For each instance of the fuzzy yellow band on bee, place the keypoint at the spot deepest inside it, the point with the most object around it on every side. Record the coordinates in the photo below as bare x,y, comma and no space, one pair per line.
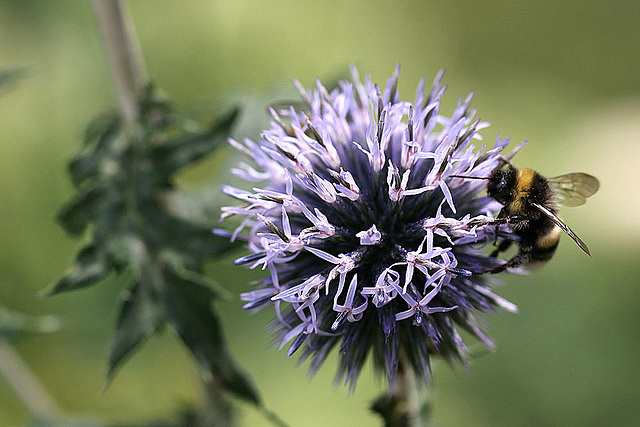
524,179
550,239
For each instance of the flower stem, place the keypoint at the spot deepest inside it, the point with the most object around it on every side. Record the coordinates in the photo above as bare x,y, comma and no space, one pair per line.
25,383
405,404
123,55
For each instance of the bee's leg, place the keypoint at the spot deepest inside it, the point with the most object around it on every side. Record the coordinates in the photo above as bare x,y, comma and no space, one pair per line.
504,245
501,218
514,221
521,258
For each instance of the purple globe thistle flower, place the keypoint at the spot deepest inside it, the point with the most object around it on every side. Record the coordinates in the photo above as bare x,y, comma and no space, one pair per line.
372,244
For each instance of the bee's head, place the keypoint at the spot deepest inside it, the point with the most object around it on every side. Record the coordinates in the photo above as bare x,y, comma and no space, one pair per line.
502,182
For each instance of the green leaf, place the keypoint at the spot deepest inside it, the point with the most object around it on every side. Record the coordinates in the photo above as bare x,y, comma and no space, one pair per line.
102,128
139,318
91,266
125,249
103,146
190,238
199,280
76,214
121,176
176,153
188,309
110,221
83,166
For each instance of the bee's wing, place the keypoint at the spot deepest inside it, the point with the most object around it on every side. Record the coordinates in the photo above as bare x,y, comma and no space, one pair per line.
573,189
564,227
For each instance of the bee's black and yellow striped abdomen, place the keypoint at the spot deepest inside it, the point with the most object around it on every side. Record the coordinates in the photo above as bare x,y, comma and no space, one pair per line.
546,245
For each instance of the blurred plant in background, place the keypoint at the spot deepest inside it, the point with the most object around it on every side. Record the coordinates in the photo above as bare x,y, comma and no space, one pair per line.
123,176
15,326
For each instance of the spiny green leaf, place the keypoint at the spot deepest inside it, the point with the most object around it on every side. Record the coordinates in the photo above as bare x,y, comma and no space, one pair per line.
83,166
111,221
199,280
126,249
188,309
102,128
100,158
91,266
156,111
139,318
121,175
176,153
76,214
190,238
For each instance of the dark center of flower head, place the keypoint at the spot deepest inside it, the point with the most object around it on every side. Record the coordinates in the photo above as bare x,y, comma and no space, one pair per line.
370,237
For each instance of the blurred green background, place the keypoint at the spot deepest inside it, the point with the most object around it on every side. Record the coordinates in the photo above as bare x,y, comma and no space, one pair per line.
564,75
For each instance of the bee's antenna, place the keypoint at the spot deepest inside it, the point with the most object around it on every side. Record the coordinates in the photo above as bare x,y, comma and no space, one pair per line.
468,177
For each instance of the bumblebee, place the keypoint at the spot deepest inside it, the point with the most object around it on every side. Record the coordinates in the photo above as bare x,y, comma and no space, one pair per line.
530,206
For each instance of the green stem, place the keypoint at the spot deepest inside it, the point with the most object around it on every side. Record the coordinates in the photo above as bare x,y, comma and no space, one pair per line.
26,385
123,55
405,404
407,391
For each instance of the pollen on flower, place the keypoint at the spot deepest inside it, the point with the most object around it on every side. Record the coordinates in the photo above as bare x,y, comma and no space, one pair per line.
358,212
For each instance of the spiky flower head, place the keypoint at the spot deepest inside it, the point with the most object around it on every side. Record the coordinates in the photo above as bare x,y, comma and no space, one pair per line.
371,244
